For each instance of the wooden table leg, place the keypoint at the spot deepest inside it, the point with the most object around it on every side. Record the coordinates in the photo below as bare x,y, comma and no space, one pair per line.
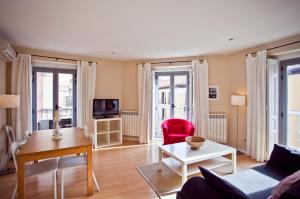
21,183
89,171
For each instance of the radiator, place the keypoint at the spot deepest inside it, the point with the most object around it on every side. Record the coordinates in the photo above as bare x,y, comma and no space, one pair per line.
217,127
130,123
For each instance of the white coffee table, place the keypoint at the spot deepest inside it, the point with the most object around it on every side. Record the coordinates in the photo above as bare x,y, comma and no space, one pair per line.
185,161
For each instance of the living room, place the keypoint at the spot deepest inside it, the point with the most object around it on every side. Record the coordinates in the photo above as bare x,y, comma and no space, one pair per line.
107,80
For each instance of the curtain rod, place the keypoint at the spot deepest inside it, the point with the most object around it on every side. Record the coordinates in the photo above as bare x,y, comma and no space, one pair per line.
295,42
57,58
170,62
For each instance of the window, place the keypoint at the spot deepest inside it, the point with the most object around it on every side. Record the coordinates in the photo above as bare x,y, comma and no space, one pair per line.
53,88
290,103
172,95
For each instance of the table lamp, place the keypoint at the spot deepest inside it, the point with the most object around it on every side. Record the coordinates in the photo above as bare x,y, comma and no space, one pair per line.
237,100
9,102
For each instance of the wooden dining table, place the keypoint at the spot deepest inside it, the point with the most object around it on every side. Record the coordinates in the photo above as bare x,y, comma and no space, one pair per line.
41,146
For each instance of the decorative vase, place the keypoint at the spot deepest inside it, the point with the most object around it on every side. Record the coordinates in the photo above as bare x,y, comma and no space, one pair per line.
57,135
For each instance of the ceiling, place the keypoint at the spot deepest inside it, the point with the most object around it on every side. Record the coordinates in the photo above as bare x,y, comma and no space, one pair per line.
146,29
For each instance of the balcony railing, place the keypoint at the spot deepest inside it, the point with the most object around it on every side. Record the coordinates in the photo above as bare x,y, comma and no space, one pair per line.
294,128
45,118
47,114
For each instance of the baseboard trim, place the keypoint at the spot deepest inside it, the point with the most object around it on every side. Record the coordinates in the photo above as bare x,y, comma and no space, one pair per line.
130,138
243,151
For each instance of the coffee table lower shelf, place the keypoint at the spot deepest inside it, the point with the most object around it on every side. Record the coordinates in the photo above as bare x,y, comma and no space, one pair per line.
193,168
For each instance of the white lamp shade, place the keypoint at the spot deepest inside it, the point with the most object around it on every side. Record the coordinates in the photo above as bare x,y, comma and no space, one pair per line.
9,101
238,100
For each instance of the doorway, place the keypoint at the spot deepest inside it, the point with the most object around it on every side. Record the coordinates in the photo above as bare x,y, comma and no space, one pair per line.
290,103
171,98
53,88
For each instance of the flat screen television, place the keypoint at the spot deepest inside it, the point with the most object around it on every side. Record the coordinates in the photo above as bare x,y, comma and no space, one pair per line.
105,107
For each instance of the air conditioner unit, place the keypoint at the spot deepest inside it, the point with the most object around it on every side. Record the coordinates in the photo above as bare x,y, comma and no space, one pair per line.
7,53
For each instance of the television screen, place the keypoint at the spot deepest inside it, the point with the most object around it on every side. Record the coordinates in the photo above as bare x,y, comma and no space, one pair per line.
105,107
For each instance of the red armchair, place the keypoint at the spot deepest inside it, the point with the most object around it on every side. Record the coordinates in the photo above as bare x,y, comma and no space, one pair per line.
175,130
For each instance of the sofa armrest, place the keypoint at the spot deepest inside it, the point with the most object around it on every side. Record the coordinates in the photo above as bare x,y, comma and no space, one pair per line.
197,188
292,193
179,195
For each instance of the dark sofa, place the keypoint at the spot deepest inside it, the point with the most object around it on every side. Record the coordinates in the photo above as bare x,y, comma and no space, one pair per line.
255,183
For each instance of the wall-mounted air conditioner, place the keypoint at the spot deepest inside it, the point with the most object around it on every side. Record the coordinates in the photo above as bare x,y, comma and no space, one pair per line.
7,53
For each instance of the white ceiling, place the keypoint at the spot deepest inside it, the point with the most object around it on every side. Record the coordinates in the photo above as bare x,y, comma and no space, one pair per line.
146,29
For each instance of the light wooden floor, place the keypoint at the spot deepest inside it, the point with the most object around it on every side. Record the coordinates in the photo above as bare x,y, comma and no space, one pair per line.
115,172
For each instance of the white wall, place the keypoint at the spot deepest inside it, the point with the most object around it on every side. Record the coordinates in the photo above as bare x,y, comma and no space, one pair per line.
2,112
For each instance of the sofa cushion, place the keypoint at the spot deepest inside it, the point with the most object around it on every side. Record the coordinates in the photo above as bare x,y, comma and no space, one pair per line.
285,158
196,187
271,171
258,182
222,186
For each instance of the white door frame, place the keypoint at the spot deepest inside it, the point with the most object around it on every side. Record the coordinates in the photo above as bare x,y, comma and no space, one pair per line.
171,73
272,103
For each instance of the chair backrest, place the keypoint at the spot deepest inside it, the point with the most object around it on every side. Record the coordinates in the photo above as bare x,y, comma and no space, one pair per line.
175,121
10,134
86,133
14,146
176,126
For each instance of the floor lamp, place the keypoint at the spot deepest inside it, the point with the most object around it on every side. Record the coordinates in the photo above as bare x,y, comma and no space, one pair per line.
9,102
237,100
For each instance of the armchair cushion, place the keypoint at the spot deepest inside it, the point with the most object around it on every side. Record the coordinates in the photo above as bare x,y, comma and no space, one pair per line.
176,129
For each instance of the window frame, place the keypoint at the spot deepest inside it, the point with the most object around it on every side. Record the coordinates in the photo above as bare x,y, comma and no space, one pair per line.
171,74
283,99
55,72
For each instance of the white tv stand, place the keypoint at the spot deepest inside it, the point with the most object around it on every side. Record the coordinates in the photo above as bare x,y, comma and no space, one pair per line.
107,132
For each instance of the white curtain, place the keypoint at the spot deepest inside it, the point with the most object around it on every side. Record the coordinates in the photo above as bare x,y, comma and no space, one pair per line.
145,102
200,97
256,110
21,84
86,85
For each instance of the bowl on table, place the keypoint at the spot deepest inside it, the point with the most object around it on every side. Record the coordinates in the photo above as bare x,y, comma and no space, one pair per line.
195,141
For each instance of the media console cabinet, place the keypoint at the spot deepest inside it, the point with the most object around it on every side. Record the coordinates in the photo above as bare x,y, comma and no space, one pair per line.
107,132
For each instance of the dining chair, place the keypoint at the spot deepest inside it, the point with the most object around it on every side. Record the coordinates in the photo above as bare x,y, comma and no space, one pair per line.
41,167
12,138
71,162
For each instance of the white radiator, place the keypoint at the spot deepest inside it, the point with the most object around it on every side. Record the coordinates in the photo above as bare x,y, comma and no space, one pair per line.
217,127
130,123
